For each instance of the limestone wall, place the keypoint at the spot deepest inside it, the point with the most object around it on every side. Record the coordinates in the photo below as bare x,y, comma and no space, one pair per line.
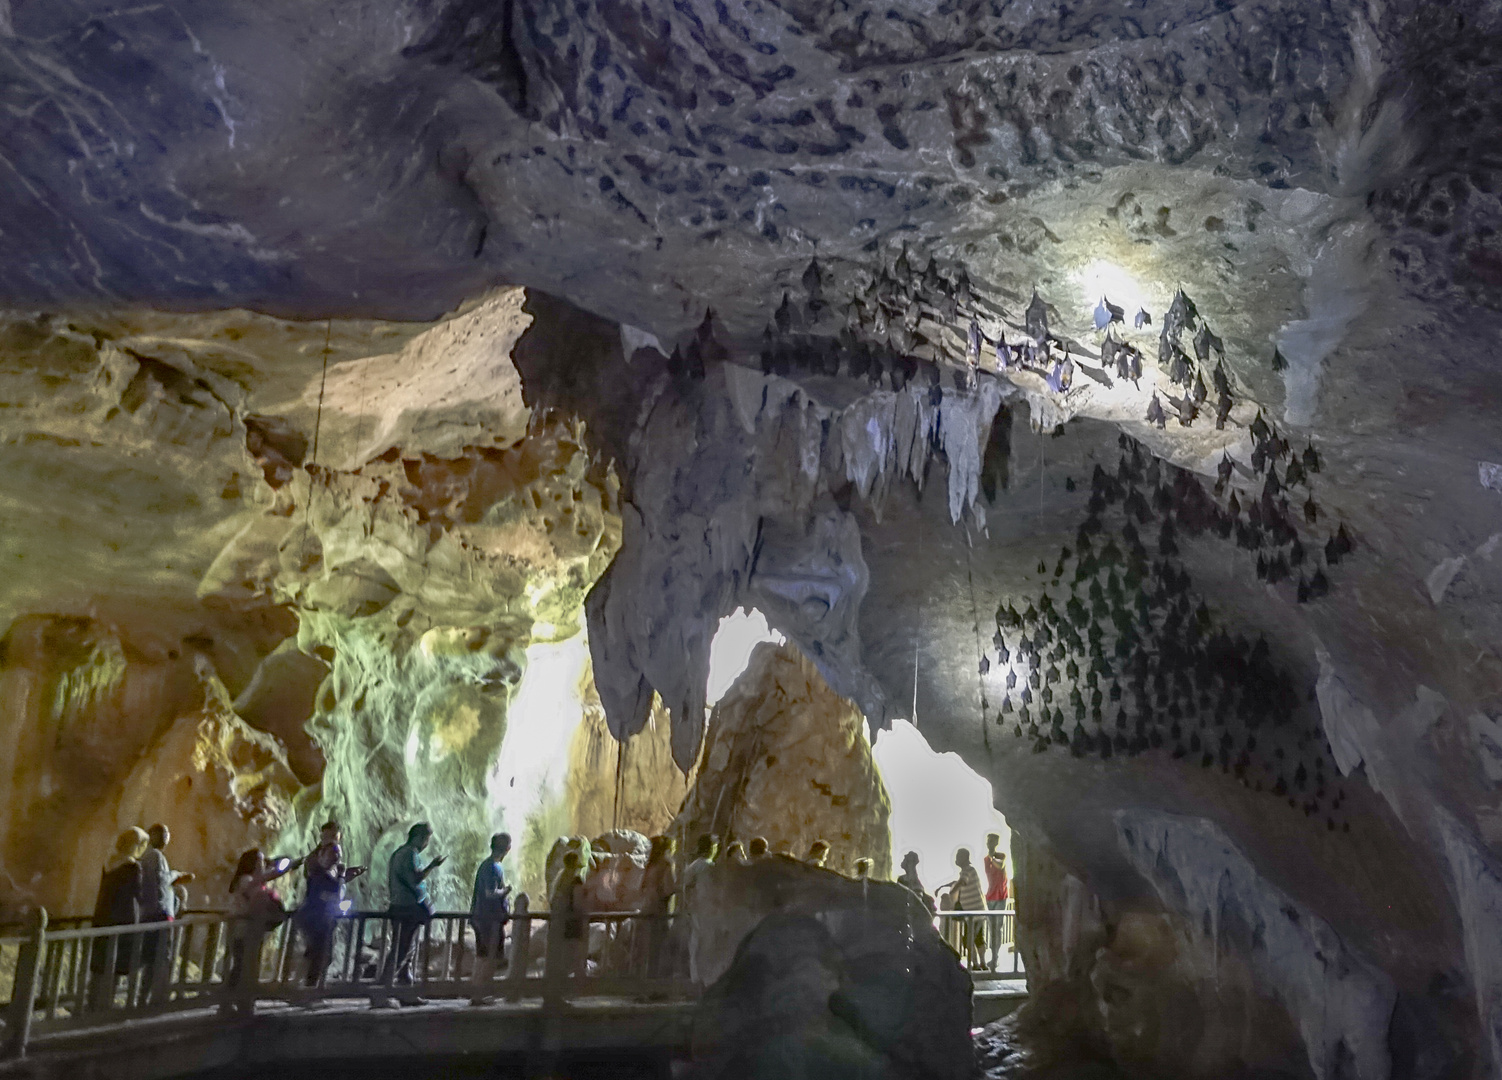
104,732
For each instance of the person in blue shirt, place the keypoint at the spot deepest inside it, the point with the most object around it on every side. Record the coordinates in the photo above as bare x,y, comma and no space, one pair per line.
323,902
489,912
410,906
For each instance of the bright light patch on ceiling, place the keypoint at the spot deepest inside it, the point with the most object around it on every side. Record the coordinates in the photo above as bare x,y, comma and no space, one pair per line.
1101,277
939,804
730,651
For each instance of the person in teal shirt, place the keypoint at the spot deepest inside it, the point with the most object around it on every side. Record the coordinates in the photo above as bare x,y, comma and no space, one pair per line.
411,909
489,911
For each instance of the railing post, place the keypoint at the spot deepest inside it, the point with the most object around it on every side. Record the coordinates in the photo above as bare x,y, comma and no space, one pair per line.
250,969
557,965
163,955
521,948
24,989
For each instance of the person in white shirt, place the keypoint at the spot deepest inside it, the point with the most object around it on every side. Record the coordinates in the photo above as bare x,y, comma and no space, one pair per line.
159,897
704,861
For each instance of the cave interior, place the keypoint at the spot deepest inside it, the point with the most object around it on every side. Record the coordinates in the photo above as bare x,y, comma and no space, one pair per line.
885,425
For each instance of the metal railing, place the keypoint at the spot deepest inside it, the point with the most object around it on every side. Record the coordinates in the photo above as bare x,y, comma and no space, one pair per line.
74,979
975,935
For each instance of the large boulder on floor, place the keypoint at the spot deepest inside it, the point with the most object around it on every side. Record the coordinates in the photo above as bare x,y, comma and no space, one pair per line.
825,978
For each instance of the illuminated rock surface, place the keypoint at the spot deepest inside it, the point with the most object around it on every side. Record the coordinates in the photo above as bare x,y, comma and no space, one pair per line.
787,760
105,732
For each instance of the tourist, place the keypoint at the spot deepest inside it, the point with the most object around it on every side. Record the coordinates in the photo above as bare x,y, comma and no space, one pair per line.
121,888
735,854
704,857
323,900
909,879
863,869
965,895
659,884
159,898
489,911
410,909
586,859
995,864
158,895
757,849
693,878
818,854
122,884
253,910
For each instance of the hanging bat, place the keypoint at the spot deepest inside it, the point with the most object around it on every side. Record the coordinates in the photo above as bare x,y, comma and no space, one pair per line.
1155,413
1107,313
1036,319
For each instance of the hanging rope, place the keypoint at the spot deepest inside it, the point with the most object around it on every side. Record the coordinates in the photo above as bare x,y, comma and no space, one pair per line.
323,381
620,754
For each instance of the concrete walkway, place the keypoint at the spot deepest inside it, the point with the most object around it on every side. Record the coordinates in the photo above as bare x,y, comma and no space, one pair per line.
188,1042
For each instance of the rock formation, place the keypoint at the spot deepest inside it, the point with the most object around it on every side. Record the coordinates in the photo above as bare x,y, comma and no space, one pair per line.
632,784
787,759
107,731
816,975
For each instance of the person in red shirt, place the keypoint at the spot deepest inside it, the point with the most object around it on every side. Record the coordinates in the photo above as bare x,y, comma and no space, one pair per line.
996,891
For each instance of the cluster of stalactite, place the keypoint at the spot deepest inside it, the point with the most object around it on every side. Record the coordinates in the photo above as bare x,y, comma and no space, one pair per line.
1118,655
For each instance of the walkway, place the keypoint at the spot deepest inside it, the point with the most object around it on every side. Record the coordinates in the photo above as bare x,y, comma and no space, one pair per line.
174,1003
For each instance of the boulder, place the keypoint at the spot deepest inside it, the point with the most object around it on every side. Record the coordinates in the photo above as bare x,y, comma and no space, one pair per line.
788,759
819,976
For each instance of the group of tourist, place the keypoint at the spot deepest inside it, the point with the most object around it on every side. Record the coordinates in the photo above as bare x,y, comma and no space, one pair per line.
136,886
965,897
139,886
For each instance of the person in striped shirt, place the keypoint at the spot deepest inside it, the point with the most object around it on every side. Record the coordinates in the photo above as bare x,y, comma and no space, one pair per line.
967,896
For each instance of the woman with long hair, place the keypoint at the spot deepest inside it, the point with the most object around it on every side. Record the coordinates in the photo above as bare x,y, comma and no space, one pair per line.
122,887
253,909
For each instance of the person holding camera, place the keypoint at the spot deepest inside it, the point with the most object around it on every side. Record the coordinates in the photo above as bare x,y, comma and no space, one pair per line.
411,908
489,911
323,900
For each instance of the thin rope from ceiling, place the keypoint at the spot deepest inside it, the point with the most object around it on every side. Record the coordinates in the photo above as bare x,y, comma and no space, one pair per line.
323,381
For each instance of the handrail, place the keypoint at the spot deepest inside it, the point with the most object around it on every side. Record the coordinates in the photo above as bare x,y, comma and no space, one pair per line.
970,931
220,964
91,932
223,965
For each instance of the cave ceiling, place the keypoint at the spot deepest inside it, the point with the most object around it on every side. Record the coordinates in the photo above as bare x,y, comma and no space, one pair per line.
217,215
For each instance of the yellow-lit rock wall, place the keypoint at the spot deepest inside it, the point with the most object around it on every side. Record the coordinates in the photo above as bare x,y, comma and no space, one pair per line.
102,734
627,785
